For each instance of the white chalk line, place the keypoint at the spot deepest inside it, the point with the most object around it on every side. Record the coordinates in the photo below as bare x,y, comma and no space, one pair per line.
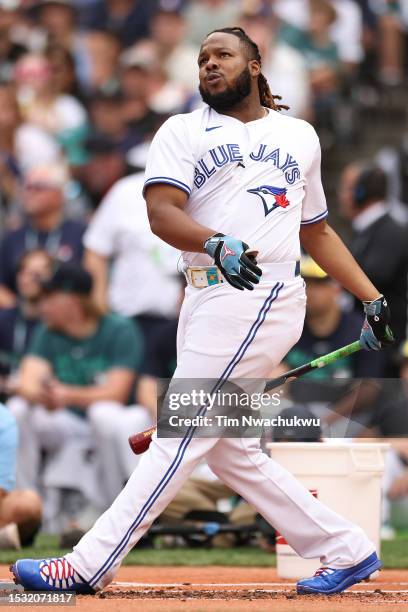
144,587
201,584
374,584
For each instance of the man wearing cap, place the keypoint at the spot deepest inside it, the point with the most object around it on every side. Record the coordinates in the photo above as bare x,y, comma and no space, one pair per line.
74,383
43,200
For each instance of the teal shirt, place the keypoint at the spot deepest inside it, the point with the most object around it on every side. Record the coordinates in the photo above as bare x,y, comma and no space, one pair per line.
116,343
314,55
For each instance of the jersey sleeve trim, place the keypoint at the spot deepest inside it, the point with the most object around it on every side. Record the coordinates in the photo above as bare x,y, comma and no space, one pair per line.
169,181
315,219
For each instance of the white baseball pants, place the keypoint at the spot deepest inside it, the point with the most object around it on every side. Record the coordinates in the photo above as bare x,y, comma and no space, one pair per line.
225,333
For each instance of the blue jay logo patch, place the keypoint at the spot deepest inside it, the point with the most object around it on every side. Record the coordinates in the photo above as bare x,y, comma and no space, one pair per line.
272,197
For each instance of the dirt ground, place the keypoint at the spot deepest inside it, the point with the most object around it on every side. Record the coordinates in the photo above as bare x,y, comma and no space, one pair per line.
232,589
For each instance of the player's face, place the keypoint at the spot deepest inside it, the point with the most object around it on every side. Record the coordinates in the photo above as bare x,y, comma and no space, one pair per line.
225,72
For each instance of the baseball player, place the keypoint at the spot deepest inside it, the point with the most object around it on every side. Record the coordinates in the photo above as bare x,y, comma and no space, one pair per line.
230,179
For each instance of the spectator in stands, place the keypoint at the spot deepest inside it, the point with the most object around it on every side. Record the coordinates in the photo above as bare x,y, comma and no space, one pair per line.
63,71
322,59
18,323
347,34
346,30
106,165
315,41
204,16
102,50
21,146
106,116
377,238
167,30
283,66
10,51
143,265
106,112
57,18
77,378
147,90
43,200
61,115
392,21
9,166
94,53
127,19
20,510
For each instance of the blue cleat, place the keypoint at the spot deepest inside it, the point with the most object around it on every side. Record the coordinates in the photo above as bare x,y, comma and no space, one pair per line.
328,580
55,575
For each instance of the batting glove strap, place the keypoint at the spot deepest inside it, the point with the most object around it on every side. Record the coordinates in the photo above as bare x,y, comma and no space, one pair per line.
376,333
238,269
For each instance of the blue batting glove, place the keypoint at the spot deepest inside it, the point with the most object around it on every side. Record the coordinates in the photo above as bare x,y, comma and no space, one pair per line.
229,254
376,334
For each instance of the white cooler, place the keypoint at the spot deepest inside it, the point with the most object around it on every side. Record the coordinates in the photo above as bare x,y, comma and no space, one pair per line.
346,476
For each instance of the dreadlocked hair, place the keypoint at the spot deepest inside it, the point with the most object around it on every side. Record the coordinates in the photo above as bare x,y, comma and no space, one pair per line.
267,98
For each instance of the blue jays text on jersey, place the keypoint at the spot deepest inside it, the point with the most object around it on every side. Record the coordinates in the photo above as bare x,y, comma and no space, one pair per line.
221,155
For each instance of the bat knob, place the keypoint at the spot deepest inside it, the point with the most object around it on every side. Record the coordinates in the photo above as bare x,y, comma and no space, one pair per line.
139,443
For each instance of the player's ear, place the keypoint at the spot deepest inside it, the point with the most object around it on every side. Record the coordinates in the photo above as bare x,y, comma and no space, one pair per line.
254,68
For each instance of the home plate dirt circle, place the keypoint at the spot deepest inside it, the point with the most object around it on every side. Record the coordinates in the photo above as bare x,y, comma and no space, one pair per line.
235,589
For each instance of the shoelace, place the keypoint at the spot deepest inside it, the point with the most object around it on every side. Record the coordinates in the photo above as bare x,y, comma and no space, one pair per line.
324,571
58,572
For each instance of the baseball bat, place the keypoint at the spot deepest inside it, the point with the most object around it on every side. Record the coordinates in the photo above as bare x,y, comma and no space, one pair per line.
319,362
140,442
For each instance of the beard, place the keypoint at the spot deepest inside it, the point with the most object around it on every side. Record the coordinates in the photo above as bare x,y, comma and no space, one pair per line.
231,96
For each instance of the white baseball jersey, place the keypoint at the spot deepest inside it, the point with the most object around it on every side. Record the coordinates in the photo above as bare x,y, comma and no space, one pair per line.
256,181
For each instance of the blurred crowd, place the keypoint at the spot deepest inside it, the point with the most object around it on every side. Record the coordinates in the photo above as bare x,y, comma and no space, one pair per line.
89,297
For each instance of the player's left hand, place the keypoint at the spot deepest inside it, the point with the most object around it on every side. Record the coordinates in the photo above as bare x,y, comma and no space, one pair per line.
376,333
229,254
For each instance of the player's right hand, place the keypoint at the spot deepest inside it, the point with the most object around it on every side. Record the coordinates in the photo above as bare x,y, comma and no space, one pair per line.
376,333
229,254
